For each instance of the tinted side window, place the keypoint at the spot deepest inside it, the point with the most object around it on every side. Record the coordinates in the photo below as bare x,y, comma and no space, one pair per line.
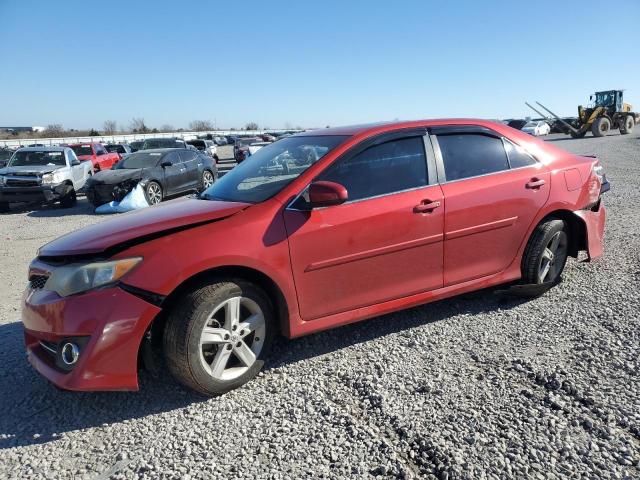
518,157
469,155
187,155
172,157
386,168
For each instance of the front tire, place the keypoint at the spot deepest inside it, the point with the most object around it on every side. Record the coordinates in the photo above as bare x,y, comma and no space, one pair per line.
207,179
153,192
546,253
217,336
69,200
601,127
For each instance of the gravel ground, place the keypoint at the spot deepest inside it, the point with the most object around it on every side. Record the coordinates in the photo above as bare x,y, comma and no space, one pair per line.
472,387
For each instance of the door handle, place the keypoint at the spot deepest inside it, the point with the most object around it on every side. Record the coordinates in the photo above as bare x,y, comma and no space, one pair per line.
535,183
426,206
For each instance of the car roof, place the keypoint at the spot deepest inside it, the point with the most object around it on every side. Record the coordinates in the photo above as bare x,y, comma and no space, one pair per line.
43,149
162,150
381,127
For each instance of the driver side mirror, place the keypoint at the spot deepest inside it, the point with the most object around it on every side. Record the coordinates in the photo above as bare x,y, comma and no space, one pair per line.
166,164
75,162
326,194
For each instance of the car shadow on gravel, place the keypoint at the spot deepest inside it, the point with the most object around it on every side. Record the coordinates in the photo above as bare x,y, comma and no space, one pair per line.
83,207
35,412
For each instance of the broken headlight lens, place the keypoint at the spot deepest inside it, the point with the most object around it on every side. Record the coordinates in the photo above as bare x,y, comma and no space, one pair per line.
53,178
78,278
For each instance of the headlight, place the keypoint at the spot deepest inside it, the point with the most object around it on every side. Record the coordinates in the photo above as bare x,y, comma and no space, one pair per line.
79,278
53,178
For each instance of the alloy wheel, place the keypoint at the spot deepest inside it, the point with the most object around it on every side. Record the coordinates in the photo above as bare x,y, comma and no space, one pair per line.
154,193
232,338
207,179
553,258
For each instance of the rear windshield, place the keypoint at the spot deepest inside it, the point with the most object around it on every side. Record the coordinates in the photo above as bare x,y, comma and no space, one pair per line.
140,160
199,144
162,143
26,159
82,149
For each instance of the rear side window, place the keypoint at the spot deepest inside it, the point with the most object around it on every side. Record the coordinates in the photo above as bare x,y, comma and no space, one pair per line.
390,167
518,157
187,155
469,155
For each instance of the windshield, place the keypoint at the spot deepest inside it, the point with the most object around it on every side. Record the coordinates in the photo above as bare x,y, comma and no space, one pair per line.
605,99
140,160
82,149
531,124
115,148
271,168
199,144
27,159
162,143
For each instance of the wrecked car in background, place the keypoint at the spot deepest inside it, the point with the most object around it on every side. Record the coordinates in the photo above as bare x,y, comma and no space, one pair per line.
97,153
205,146
161,172
43,175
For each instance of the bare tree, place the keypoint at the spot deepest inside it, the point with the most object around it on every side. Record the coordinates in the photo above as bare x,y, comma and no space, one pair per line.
251,126
138,125
110,127
200,125
167,128
53,130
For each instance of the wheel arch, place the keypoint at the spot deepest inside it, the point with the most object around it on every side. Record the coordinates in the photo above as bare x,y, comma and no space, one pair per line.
262,280
577,230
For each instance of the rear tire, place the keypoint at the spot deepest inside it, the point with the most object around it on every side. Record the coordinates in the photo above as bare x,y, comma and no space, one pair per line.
578,134
601,127
546,253
626,126
217,336
69,200
207,180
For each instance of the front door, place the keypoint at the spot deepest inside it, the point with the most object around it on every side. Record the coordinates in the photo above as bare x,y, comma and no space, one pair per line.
384,243
494,190
174,174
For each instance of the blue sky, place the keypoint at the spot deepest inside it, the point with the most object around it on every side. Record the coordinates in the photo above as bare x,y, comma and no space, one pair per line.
308,63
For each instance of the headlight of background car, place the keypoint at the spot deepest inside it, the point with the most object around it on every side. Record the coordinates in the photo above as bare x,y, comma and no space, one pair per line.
79,278
53,178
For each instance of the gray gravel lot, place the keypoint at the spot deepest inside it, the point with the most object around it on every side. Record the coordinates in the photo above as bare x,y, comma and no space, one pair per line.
472,387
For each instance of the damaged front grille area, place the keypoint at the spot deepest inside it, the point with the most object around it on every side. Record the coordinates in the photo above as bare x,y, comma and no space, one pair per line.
37,281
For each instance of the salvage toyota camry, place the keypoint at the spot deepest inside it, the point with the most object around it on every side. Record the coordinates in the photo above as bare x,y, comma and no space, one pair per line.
316,230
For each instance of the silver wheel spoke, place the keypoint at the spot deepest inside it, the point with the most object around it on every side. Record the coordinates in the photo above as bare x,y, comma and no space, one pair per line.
544,269
213,335
220,362
232,313
251,324
244,354
554,242
547,254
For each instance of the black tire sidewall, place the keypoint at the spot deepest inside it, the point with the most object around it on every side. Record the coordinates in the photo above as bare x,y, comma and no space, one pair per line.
204,302
537,243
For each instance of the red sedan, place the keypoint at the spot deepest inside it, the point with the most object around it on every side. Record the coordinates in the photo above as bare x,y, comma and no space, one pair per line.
317,230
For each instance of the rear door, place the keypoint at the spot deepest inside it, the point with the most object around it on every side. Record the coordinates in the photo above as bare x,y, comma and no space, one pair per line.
191,173
493,191
383,243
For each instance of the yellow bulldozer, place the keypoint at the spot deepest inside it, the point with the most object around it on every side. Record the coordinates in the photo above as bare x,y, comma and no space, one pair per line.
606,112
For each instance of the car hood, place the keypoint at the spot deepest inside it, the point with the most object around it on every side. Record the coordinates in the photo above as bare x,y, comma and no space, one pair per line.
29,170
139,226
113,177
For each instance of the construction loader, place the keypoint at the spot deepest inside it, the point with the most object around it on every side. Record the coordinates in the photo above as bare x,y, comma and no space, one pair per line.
607,111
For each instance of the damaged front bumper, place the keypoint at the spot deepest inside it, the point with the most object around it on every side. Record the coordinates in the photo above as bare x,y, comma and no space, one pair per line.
41,193
99,194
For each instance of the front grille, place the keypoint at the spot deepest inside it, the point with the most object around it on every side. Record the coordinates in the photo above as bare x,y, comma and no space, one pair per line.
38,281
22,183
